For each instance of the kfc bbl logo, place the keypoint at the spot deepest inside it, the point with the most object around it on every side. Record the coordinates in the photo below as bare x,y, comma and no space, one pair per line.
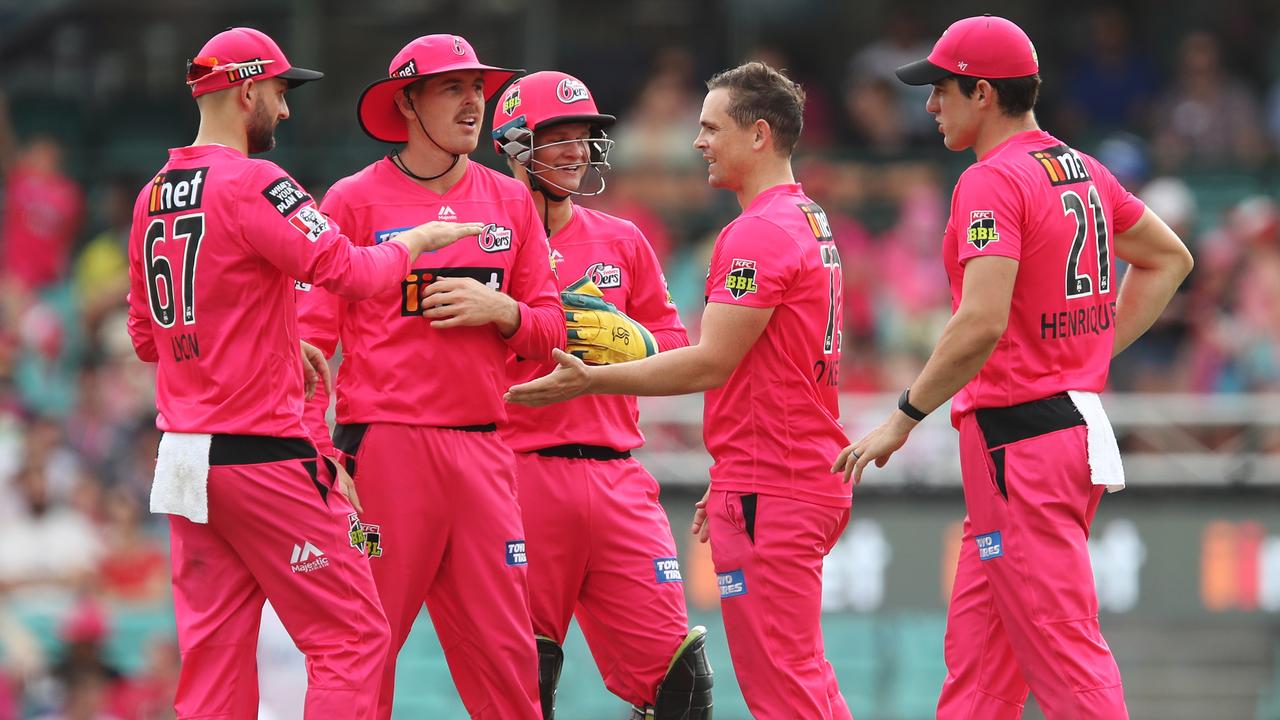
982,228
742,278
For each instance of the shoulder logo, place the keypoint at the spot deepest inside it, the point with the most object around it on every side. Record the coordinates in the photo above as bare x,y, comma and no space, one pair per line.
742,278
1062,165
571,91
285,195
605,275
310,222
176,190
982,228
818,222
495,238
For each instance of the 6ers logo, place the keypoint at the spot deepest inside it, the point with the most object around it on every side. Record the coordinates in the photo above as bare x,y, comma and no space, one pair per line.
458,48
742,278
571,91
605,275
495,238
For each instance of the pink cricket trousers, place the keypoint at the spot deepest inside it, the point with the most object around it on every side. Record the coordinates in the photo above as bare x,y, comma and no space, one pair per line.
600,547
276,531
1024,612
444,529
768,551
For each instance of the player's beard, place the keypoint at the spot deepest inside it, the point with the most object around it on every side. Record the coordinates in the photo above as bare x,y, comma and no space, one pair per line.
262,130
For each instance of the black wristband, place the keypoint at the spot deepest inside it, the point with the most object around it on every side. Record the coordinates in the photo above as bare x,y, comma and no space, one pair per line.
908,409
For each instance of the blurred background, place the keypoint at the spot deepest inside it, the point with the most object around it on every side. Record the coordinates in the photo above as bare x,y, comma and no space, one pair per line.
1180,100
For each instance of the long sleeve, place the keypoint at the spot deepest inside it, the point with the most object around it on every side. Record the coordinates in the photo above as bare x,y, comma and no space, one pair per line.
144,343
533,287
295,236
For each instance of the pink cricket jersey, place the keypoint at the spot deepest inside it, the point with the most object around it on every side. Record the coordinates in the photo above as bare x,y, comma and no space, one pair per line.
618,258
1056,211
217,244
774,427
396,368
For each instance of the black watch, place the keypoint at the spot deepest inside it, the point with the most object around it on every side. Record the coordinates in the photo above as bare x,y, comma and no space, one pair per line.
908,409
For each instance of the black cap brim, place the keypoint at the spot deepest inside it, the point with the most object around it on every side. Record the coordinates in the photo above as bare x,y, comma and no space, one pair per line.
295,76
922,72
602,121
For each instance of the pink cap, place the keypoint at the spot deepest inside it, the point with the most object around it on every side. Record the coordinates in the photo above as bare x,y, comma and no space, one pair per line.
542,99
981,47
238,54
427,55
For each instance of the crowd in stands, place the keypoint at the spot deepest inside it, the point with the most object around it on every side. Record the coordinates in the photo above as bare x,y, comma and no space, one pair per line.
81,557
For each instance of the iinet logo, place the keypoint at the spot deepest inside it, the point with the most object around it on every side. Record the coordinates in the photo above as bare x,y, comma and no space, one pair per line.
307,558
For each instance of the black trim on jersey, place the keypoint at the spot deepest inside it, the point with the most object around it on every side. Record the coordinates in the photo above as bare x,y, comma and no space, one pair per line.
583,452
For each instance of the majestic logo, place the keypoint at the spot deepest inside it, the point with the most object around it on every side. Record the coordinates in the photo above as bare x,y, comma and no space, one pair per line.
447,213
310,222
556,259
512,100
605,275
418,278
285,195
495,238
516,553
458,47
408,69
742,278
249,68
1062,165
365,537
732,584
982,228
667,570
176,190
307,558
989,546
571,91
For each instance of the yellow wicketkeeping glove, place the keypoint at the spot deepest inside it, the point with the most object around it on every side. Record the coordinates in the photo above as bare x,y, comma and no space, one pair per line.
600,333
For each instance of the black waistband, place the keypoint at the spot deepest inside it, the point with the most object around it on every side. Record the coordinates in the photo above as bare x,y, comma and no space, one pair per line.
583,452
257,449
487,427
1001,426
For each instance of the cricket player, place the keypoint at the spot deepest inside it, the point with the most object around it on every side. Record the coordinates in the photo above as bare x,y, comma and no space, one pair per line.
217,243
768,360
1030,250
419,391
600,546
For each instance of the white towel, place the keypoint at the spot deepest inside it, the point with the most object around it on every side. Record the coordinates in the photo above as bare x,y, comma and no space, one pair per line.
181,485
1104,453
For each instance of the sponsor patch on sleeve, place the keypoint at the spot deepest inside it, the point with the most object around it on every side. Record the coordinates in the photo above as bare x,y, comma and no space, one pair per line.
989,546
516,554
732,584
742,277
667,570
982,228
301,286
310,222
285,195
